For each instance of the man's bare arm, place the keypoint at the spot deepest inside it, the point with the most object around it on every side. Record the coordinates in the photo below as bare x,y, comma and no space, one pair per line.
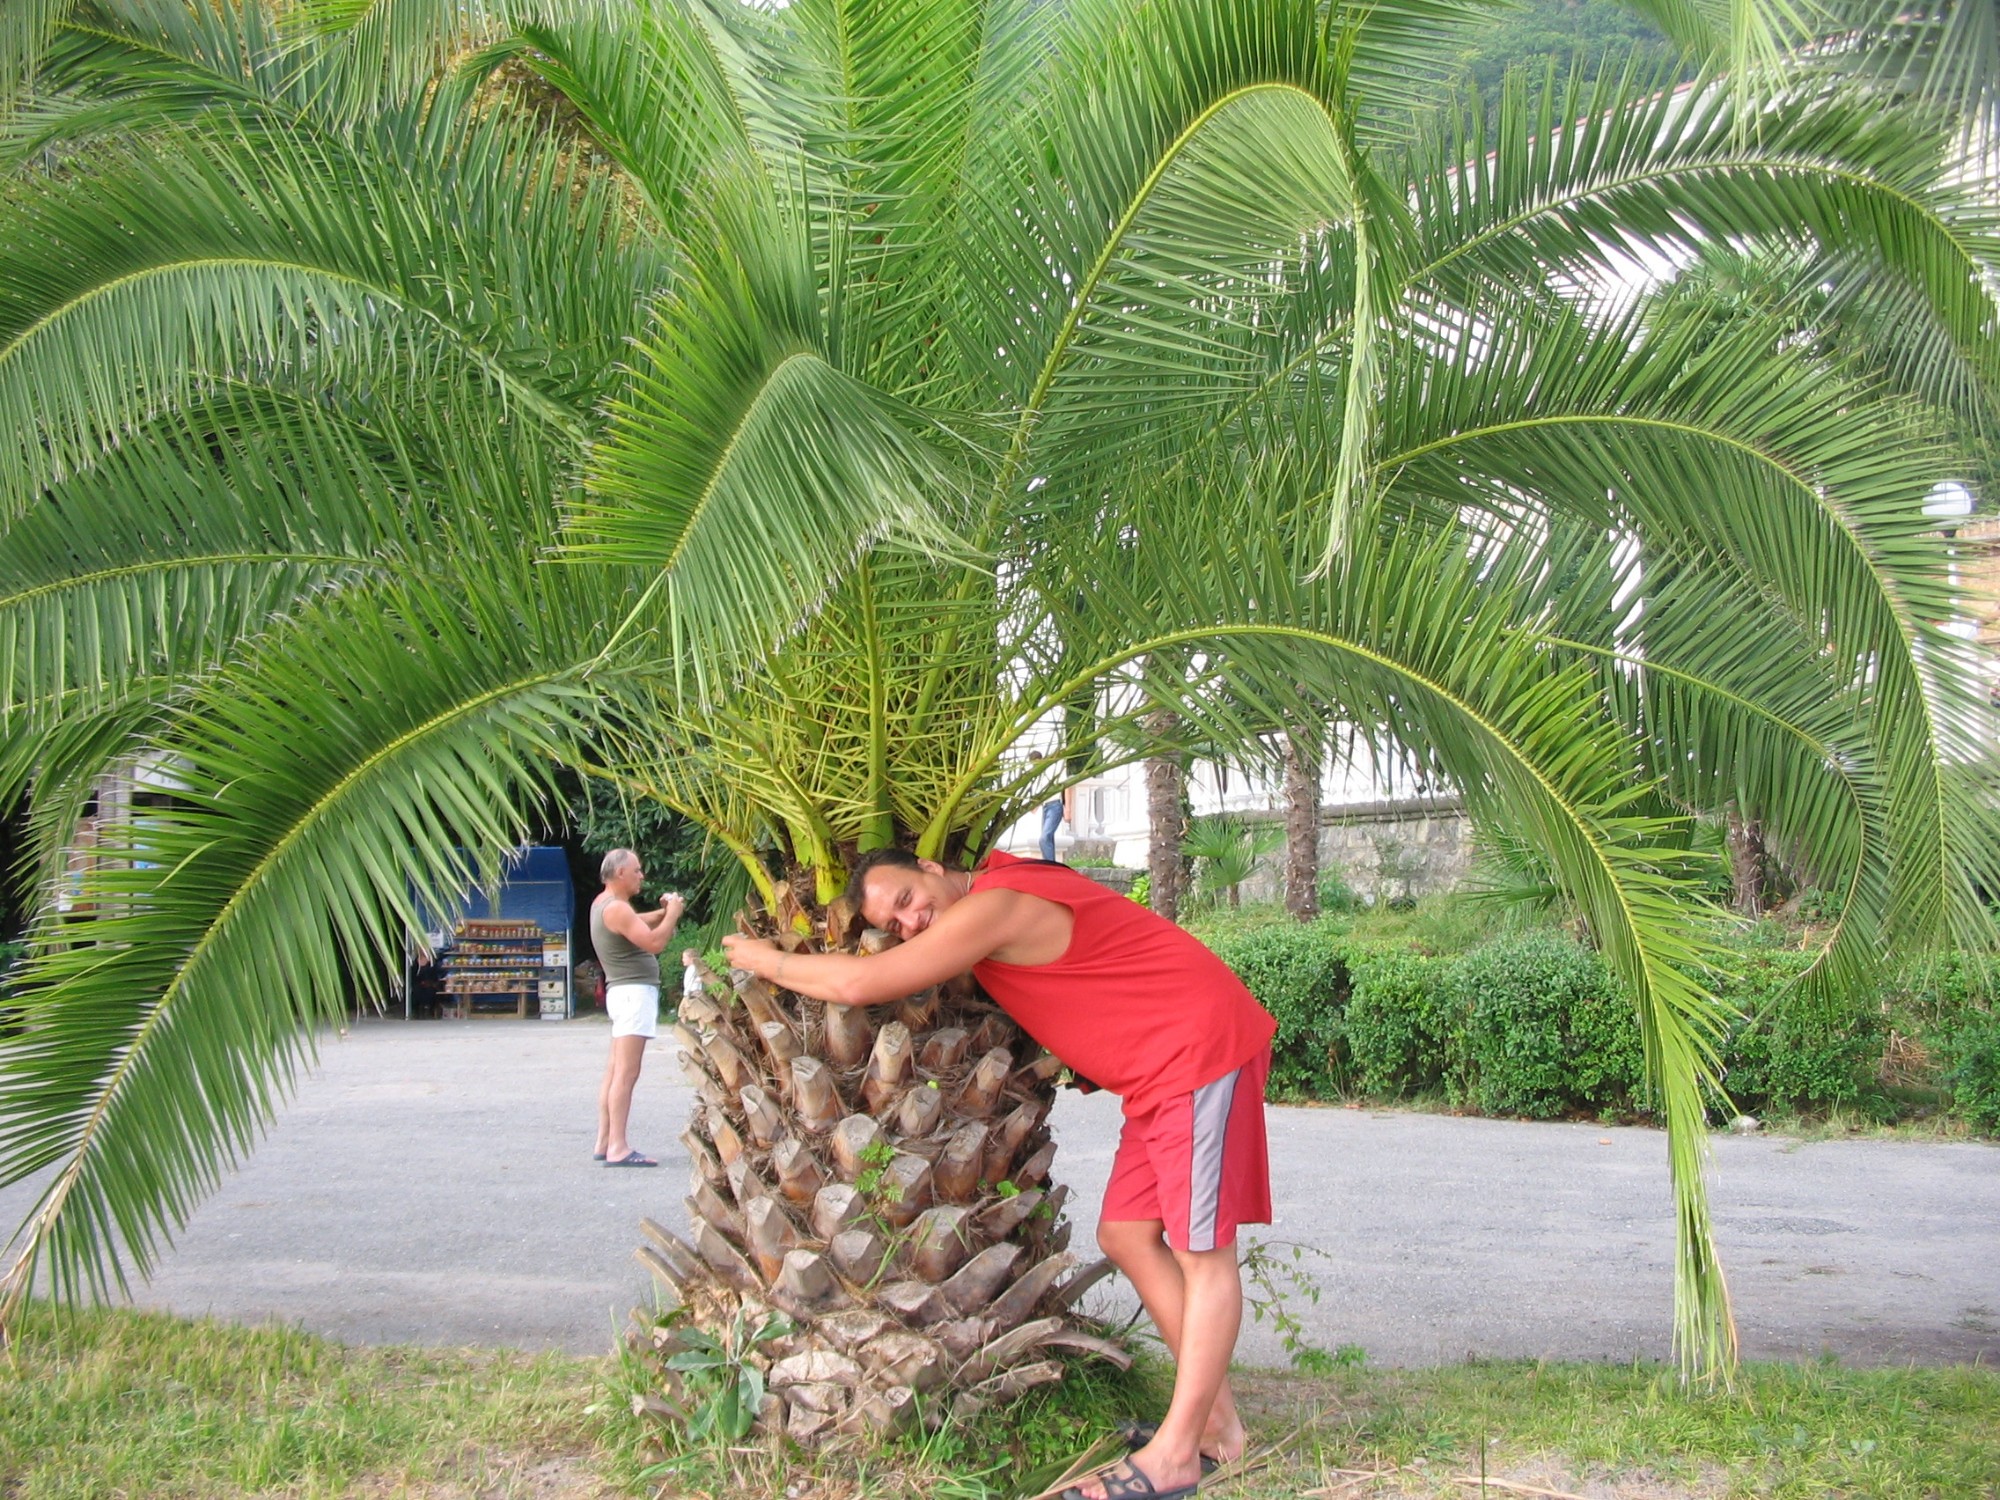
974,928
649,932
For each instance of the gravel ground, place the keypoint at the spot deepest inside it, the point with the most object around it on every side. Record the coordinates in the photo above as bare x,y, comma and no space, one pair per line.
432,1183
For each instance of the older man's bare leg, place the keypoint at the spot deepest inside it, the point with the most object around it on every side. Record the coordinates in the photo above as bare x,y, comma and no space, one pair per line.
614,1095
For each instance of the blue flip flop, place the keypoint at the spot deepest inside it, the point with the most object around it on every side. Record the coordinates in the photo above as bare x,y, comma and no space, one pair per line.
632,1159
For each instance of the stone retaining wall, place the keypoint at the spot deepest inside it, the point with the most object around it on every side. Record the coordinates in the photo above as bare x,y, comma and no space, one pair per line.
1383,850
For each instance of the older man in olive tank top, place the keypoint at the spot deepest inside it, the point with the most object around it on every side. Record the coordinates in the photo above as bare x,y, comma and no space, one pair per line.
628,945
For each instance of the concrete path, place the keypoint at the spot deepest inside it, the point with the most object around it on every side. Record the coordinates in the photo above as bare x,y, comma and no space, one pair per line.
432,1183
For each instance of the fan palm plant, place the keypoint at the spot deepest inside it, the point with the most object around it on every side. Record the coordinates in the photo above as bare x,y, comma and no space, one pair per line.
782,414
1227,851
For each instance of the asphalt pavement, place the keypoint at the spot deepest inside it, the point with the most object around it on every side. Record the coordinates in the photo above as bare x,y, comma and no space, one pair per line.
431,1183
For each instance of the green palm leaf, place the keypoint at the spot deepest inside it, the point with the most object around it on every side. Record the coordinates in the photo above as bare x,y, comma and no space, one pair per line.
740,426
350,770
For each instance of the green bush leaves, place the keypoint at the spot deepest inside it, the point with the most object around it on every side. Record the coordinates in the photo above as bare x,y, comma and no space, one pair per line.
1534,1024
1299,974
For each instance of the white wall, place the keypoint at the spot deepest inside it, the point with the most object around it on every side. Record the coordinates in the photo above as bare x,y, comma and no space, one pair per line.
1113,806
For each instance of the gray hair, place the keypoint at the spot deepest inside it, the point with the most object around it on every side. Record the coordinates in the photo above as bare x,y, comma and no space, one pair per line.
614,862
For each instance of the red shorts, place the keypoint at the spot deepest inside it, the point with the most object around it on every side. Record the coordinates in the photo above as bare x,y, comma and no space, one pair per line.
1197,1162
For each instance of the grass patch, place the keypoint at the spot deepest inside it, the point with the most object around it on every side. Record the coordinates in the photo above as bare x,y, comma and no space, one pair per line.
121,1403
1451,922
1840,1124
1787,1432
1012,1451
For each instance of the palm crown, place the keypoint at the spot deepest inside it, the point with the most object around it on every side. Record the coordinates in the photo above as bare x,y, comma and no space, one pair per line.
783,412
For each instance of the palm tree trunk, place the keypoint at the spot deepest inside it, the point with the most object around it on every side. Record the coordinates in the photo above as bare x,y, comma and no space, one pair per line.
880,1176
1166,821
1749,865
1301,831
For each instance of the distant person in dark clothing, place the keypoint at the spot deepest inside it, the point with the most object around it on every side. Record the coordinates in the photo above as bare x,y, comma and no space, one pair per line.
628,945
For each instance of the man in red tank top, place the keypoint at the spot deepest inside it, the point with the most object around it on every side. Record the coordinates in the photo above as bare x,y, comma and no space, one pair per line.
1130,1003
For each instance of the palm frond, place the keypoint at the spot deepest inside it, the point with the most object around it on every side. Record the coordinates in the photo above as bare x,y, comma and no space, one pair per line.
1772,468
1635,168
673,93
1124,235
182,540
1745,38
111,69
234,261
376,50
1413,635
745,465
25,29
384,752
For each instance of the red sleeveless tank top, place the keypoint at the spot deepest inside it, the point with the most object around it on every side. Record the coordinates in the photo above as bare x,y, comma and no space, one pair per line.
1136,1004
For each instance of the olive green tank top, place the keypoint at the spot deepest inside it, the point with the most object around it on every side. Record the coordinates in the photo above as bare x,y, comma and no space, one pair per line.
625,962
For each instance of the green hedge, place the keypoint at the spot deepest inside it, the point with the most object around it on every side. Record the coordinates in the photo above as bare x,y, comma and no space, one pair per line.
1935,991
1952,1001
1972,1050
1398,1022
1547,1031
1529,1024
1793,1047
1533,1023
1298,972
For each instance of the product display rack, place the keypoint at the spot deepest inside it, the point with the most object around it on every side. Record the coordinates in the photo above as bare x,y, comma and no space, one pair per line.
496,967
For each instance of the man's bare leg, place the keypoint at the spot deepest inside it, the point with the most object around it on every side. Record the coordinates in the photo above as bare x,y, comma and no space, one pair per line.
1195,1299
621,1075
604,1104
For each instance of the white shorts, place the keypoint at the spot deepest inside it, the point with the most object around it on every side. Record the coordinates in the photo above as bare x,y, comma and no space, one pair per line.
634,1009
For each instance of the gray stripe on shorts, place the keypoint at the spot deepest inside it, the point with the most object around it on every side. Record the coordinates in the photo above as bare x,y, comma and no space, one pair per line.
1211,1129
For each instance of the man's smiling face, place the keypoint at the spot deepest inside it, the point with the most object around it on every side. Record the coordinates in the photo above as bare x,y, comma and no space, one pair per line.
905,901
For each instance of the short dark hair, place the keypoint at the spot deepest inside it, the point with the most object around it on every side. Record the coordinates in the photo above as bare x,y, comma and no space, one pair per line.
890,858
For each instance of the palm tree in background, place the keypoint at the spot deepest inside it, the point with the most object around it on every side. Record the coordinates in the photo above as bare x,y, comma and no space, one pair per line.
782,414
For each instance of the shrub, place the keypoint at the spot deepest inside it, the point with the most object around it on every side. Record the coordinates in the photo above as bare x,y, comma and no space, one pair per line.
1226,850
1533,1023
1936,990
1397,1024
1335,894
1816,905
1546,1030
1974,1052
1796,1047
1298,972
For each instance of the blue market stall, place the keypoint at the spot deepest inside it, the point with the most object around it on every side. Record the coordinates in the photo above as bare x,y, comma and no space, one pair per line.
507,952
